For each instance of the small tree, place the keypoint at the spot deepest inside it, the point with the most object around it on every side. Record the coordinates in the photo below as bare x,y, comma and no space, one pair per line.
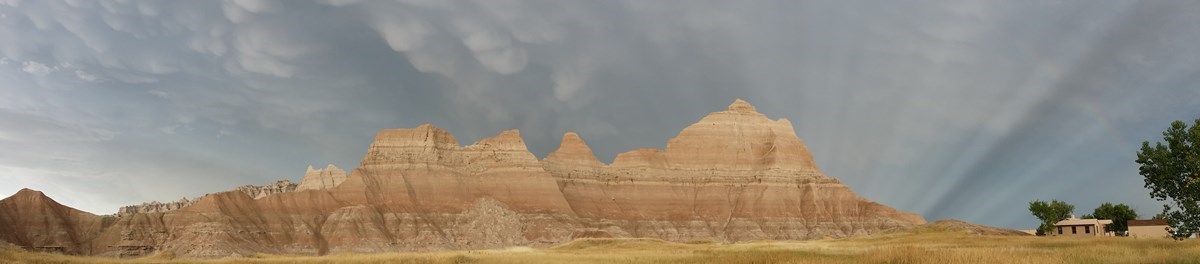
1120,214
1172,173
1050,213
1159,216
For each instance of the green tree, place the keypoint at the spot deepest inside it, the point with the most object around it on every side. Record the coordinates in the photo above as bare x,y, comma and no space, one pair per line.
1159,216
1120,214
1172,173
1050,213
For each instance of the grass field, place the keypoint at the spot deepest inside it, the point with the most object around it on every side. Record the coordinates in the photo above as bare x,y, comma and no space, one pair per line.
907,247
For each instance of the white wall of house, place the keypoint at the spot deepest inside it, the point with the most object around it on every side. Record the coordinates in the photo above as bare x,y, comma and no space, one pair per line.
1078,230
1148,231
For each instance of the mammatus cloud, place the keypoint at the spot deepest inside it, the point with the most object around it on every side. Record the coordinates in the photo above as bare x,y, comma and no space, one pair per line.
959,109
86,76
35,68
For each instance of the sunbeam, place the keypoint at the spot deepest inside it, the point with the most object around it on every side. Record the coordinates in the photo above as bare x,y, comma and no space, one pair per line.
949,109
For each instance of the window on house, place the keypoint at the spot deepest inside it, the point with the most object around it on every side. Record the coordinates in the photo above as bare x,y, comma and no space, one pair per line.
1060,230
1087,229
1073,229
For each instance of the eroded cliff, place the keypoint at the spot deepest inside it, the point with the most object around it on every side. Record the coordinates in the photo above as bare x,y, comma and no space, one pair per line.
736,175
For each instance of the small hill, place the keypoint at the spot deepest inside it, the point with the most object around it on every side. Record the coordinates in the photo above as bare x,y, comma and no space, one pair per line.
954,225
32,220
617,243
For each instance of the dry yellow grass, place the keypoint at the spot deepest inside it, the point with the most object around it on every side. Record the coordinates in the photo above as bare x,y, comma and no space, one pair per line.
908,247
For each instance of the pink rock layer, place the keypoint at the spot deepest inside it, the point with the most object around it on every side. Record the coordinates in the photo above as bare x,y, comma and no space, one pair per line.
734,176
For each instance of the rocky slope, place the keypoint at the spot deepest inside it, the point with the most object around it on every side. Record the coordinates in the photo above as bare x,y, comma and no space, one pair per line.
154,207
260,191
734,176
314,179
33,221
255,191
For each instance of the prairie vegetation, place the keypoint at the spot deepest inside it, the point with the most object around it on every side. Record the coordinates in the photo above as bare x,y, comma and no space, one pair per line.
912,246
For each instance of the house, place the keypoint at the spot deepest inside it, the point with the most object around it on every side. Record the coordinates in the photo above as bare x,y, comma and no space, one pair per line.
1081,227
1149,228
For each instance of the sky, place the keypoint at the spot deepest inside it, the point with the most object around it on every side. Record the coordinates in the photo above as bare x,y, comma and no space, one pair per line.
949,109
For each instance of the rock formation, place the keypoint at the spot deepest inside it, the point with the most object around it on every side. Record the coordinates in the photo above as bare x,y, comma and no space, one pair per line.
33,221
734,176
154,207
427,192
321,179
314,179
260,191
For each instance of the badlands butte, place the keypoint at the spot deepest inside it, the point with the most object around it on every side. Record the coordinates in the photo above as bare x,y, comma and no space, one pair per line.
735,175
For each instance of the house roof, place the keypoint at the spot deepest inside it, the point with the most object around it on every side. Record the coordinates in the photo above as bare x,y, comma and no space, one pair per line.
1076,221
1151,222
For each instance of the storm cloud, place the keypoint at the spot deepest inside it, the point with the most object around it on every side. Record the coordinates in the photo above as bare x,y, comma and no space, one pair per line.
950,109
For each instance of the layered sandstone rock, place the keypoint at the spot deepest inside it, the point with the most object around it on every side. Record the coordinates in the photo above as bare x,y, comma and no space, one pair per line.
35,222
320,179
740,139
734,176
573,152
424,186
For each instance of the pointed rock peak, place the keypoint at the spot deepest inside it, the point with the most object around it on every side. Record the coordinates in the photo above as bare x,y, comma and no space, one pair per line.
739,138
571,140
325,178
326,169
574,149
511,133
37,199
26,192
571,136
27,195
740,105
784,121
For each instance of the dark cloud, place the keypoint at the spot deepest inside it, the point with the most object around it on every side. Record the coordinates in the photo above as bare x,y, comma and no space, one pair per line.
960,109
